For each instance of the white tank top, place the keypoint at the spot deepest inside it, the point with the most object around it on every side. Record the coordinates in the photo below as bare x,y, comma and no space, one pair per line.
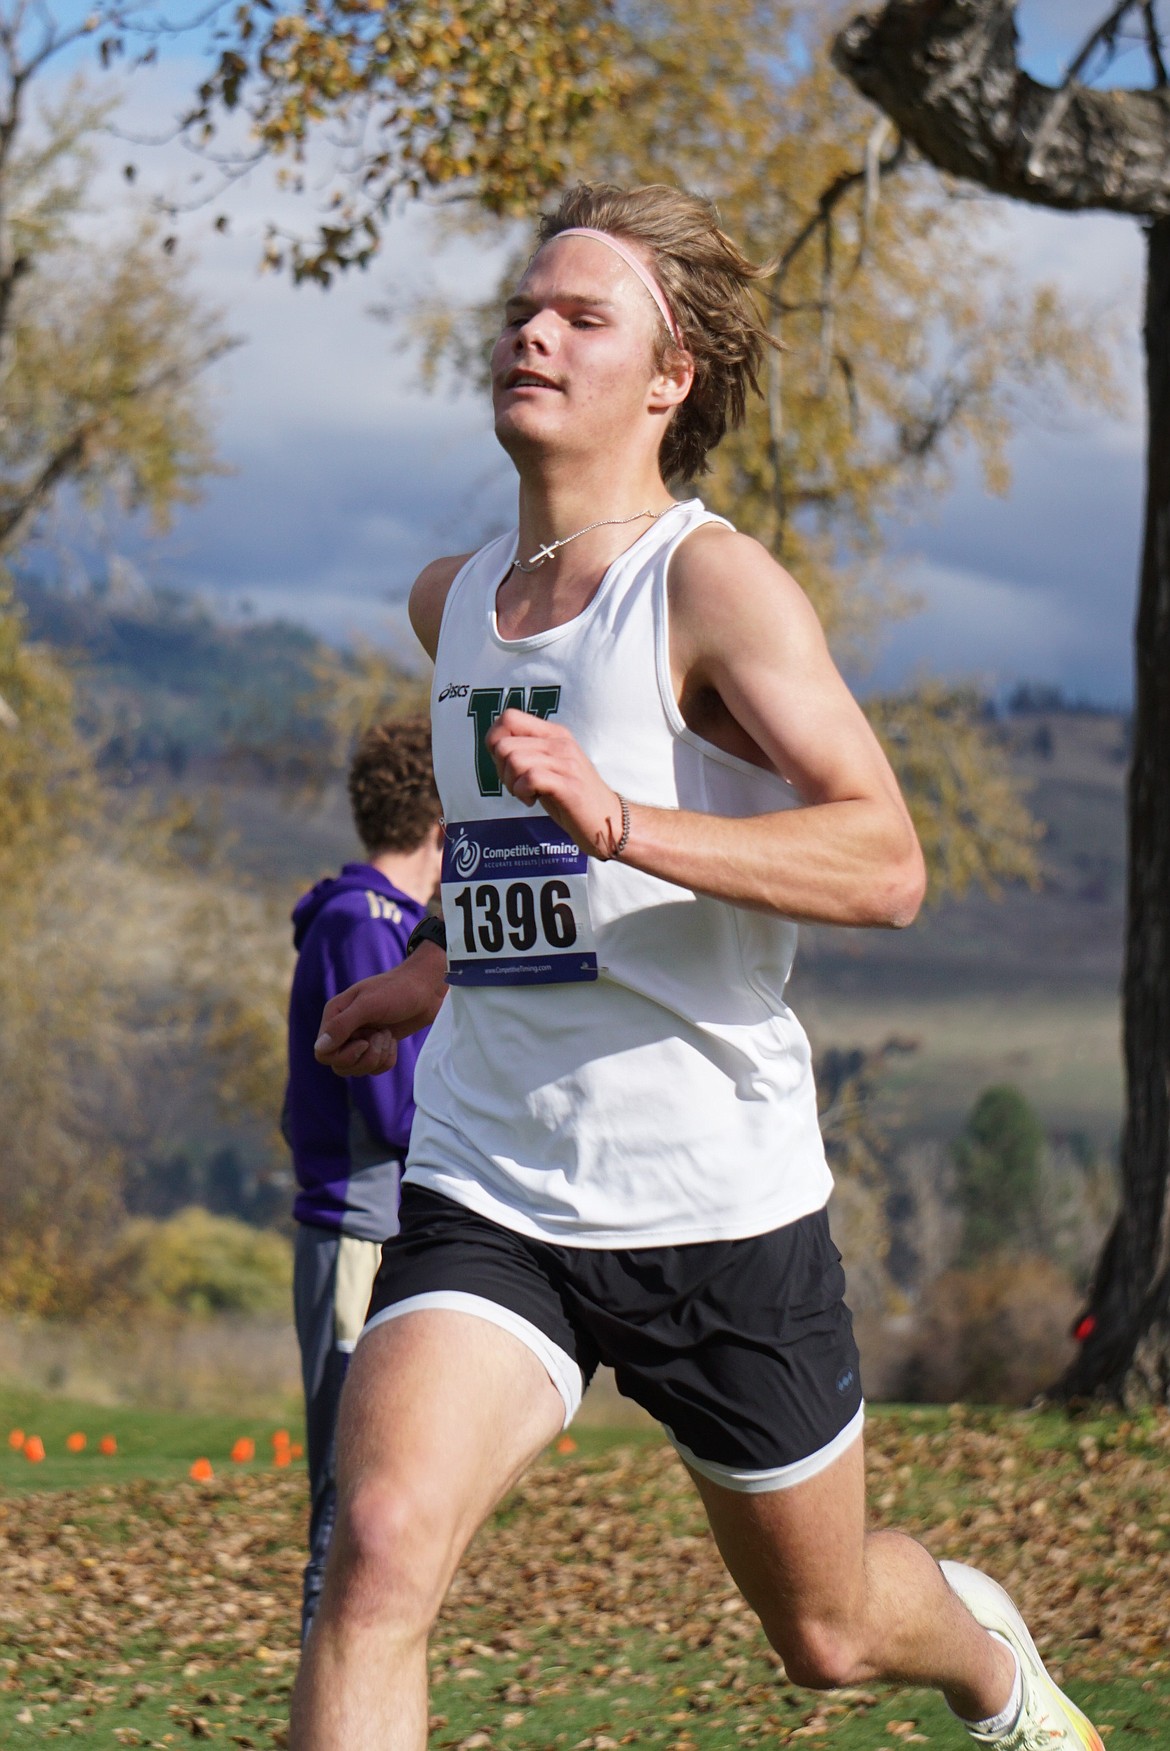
659,1090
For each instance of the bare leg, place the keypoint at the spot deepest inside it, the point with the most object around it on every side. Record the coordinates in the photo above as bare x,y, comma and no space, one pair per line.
441,1414
843,1606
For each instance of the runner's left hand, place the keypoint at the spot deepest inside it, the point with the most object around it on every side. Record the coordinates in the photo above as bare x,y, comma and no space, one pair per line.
540,762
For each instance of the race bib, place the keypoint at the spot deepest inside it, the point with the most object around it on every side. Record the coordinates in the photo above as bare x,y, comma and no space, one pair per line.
515,904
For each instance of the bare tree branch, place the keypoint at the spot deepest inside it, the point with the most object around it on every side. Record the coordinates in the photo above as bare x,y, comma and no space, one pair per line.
947,73
830,198
828,303
18,516
70,457
1154,43
10,274
775,406
878,136
1105,32
849,376
869,176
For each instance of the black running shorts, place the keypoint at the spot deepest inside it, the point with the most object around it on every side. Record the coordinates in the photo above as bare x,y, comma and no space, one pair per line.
742,1349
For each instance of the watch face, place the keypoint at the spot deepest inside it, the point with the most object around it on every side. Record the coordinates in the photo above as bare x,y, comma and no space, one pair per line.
429,930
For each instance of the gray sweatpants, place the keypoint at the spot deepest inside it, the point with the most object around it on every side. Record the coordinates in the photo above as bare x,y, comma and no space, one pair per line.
332,1277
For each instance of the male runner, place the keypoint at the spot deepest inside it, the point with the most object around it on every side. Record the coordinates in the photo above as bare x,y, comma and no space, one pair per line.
349,1139
616,1153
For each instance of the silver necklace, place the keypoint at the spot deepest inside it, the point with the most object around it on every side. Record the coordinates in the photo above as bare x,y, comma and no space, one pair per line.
546,552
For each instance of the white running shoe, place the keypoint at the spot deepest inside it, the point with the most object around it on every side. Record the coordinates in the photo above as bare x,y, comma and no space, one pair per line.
1048,1721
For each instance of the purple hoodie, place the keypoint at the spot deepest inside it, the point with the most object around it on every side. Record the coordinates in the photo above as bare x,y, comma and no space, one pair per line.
348,1135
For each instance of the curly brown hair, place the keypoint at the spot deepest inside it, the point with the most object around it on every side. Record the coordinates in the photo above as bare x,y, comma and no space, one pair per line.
707,280
392,785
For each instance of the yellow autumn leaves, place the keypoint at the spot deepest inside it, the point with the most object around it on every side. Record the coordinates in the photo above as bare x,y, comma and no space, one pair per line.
482,93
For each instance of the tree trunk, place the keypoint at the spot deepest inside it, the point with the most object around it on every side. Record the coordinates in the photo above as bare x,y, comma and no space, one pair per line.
948,73
1125,1348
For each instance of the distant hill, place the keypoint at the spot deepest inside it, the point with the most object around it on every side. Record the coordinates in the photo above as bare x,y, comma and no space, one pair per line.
1069,932
164,685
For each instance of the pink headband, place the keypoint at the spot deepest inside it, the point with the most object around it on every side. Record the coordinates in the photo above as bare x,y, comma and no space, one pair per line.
636,266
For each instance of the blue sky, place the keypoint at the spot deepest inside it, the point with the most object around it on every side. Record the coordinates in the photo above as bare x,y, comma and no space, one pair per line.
346,476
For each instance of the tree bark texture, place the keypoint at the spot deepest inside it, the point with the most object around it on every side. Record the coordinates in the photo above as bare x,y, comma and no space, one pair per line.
1129,1343
948,73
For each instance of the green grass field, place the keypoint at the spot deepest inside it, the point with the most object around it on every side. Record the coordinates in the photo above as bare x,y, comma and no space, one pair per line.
140,1608
150,1444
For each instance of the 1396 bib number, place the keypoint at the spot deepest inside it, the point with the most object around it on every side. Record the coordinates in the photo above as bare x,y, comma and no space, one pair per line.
486,926
516,899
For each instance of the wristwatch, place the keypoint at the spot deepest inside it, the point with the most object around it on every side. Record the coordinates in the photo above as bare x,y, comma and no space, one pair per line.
432,929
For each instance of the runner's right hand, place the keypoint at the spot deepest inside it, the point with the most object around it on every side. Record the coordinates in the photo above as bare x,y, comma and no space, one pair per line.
361,1027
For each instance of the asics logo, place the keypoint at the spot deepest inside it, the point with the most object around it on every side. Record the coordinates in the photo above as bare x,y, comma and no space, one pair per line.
455,690
465,855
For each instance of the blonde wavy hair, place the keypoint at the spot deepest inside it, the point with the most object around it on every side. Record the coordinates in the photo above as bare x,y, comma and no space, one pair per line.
708,283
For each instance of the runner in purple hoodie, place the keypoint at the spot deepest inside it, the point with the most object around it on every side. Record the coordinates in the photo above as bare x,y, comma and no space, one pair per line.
349,1138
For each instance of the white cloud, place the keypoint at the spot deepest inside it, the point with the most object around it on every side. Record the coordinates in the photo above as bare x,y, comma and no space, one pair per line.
997,632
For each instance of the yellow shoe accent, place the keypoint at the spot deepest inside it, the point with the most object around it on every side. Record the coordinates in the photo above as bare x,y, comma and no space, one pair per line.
1048,1721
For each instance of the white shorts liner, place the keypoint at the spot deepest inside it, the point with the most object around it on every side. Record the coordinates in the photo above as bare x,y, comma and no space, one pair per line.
565,1375
561,1368
353,1279
782,1477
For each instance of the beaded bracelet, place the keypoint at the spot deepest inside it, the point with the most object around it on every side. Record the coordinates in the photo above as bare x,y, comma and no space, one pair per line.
625,838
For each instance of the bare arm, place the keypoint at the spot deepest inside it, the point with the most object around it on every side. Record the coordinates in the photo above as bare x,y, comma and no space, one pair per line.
361,1027
744,632
428,598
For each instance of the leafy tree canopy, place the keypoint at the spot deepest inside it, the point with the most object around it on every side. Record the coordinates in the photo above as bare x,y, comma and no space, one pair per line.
998,1155
101,339
465,98
46,779
201,1263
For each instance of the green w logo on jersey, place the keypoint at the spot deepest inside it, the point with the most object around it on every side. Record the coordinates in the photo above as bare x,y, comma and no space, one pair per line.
485,705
